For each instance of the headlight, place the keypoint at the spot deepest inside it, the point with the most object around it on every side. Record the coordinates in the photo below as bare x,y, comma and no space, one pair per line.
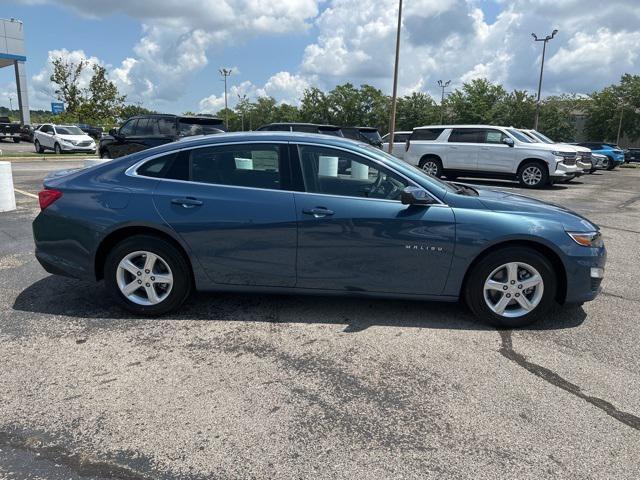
587,239
72,142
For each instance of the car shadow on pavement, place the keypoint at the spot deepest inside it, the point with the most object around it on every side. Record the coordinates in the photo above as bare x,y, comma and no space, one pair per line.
84,300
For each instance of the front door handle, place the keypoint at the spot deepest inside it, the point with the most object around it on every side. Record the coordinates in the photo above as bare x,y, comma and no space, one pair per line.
187,202
318,212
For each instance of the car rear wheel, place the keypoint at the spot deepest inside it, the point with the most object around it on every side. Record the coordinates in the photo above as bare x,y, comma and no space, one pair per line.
147,275
432,166
105,153
511,287
16,140
533,175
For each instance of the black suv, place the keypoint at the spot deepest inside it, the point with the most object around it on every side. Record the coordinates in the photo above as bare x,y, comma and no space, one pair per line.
146,131
92,131
369,135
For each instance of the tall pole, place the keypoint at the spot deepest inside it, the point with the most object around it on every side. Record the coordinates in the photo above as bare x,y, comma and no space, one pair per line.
392,121
225,73
10,104
544,49
442,85
620,123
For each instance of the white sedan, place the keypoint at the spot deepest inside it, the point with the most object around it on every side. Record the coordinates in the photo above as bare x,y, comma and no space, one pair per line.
62,138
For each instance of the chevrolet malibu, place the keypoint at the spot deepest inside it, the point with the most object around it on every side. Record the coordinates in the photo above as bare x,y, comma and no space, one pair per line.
303,213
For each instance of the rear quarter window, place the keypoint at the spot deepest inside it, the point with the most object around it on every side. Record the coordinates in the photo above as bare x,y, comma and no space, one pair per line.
426,133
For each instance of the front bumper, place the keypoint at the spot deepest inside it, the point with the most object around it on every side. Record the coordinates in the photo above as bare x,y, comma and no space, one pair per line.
585,272
76,148
584,166
564,172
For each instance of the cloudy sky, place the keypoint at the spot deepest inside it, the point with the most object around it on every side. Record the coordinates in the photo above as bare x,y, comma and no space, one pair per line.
166,54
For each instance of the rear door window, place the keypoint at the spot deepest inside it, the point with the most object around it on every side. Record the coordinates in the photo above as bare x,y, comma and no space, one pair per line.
254,165
400,137
466,135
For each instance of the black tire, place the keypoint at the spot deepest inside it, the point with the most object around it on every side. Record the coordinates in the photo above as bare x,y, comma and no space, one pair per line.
432,165
16,140
38,147
57,149
612,164
592,171
104,153
474,286
179,265
536,170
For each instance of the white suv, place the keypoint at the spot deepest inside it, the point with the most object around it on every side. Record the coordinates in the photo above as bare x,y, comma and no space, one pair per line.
399,143
491,152
583,161
62,138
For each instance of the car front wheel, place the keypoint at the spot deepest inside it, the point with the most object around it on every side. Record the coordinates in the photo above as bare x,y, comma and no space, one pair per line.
38,147
57,149
511,287
147,275
533,175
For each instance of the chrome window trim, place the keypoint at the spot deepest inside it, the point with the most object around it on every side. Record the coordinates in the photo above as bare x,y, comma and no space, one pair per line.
132,171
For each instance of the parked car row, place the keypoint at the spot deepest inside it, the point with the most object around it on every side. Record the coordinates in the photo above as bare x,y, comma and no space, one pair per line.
368,135
491,151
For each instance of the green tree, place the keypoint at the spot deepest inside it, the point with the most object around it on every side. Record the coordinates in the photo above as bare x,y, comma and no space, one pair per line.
314,106
416,110
66,75
131,110
478,101
604,108
102,101
517,110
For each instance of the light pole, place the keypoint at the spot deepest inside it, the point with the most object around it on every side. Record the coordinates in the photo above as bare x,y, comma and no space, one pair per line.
392,120
242,99
544,49
225,73
10,104
442,85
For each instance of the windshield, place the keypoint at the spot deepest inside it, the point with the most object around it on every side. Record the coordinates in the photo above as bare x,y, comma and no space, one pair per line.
519,136
372,136
69,131
542,137
401,165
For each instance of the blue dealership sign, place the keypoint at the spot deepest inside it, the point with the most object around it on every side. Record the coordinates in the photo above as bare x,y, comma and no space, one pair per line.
57,107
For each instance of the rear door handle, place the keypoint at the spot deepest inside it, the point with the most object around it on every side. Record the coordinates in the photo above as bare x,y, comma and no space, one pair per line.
318,212
187,202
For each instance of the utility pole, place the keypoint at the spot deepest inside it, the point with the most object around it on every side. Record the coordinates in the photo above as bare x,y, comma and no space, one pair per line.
225,73
392,121
10,104
544,49
442,85
620,123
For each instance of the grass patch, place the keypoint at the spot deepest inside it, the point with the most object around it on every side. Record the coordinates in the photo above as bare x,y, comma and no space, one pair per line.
630,165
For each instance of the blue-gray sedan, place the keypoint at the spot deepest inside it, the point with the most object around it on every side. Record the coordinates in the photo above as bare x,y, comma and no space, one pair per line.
303,213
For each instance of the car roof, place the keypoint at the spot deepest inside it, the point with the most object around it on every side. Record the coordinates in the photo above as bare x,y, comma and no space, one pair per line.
266,136
459,126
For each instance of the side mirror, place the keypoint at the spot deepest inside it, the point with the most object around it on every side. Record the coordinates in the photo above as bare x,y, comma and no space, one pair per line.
508,141
415,196
113,132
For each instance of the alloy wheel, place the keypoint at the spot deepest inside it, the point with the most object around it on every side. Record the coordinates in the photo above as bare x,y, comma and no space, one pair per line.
430,167
532,175
144,278
513,289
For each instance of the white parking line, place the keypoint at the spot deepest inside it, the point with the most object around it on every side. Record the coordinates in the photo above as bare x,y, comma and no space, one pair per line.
28,194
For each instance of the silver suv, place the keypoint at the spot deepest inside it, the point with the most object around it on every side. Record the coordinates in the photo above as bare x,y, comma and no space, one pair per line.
491,152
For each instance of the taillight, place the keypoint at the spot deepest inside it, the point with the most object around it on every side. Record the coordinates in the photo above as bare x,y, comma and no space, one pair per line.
47,197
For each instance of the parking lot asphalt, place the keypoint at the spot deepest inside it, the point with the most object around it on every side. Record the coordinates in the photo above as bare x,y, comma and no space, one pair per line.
10,146
260,386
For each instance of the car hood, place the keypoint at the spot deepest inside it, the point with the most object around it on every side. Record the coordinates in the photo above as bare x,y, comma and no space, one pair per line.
550,147
501,201
77,138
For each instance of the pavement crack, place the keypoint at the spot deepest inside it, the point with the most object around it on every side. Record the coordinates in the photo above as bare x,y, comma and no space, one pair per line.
618,229
630,201
549,376
83,465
